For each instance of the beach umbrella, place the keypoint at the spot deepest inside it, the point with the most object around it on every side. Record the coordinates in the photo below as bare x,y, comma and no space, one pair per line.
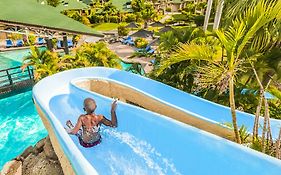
166,29
157,24
132,25
142,34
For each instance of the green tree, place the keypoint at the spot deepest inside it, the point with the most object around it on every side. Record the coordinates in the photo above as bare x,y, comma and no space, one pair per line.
98,54
44,62
147,12
236,41
137,5
122,30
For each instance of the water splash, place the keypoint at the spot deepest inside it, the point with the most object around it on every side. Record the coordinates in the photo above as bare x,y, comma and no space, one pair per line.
156,163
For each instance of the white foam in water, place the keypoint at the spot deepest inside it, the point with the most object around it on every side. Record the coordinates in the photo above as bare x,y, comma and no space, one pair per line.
143,150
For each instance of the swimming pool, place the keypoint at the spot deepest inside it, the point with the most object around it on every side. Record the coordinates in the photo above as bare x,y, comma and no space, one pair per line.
20,126
13,58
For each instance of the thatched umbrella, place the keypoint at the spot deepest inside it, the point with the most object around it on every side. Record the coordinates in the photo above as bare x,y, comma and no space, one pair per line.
154,42
157,24
142,34
132,25
166,29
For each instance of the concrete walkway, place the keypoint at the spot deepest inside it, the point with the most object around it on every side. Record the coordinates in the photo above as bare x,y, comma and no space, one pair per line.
125,51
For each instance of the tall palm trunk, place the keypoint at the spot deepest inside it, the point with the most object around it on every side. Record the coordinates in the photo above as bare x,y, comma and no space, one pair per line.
207,14
218,14
266,122
278,144
257,116
232,108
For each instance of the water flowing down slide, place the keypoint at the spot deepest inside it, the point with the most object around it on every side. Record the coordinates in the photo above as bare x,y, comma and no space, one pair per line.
158,128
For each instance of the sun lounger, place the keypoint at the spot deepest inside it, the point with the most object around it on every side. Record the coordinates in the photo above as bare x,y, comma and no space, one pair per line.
9,43
148,49
128,40
59,44
69,43
41,41
19,43
131,43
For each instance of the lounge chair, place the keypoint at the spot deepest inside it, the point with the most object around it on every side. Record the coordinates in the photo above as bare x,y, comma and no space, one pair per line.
19,43
131,42
69,43
152,61
41,41
151,51
59,44
9,43
147,49
128,40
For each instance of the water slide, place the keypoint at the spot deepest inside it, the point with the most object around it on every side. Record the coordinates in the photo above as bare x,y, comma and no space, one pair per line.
146,141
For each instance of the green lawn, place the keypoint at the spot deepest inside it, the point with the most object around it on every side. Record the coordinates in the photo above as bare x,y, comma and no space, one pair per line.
106,26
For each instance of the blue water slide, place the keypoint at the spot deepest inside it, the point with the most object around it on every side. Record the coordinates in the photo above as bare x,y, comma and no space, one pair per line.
146,142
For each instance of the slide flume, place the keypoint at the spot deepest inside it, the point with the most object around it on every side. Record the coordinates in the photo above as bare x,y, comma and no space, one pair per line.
145,142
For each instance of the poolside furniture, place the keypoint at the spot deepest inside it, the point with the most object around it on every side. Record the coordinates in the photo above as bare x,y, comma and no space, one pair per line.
148,49
41,41
19,43
152,61
151,51
131,43
128,40
70,43
9,43
59,44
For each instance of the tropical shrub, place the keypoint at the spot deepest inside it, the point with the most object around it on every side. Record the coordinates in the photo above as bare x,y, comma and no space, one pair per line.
168,9
85,20
199,20
15,36
122,30
31,39
98,54
130,17
141,42
113,19
46,63
75,39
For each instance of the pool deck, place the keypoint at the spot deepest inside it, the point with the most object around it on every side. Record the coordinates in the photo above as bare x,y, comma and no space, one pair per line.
125,52
3,49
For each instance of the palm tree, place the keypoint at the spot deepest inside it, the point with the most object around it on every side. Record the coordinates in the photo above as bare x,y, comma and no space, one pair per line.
147,12
98,54
236,43
44,62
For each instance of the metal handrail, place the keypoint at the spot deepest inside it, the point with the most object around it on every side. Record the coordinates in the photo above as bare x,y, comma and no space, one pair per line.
14,74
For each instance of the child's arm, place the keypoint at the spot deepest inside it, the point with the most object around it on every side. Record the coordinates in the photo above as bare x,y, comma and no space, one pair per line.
77,126
113,121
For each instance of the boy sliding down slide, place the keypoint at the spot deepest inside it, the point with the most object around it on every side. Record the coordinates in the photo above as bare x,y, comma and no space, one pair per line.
90,122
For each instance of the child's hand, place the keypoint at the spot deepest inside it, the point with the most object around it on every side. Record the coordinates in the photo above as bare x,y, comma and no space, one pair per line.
68,130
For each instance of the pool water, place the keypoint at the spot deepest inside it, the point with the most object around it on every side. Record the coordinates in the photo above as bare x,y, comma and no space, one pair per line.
13,58
20,126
